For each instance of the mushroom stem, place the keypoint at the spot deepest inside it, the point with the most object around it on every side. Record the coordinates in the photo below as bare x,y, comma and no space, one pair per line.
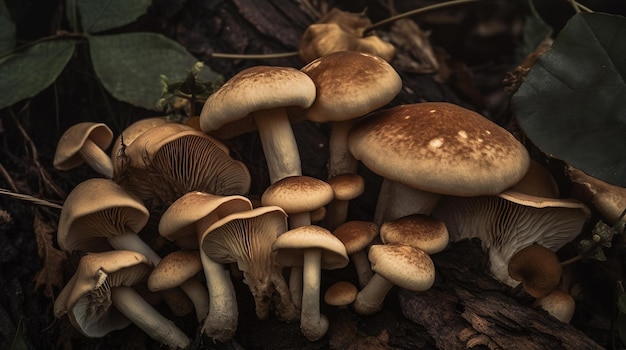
221,321
369,300
362,266
199,297
312,323
97,159
340,160
279,143
336,213
396,200
286,309
130,241
295,285
142,314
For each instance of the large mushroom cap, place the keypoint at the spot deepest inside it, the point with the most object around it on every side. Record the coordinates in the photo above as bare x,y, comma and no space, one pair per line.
439,147
350,84
417,230
73,139
253,89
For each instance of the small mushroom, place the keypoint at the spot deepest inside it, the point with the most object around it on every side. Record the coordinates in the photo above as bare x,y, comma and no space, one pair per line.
356,236
394,264
99,298
609,200
346,187
314,248
85,142
178,269
559,304
537,268
261,95
340,294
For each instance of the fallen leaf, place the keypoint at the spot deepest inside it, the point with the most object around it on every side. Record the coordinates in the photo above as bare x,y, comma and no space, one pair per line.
50,274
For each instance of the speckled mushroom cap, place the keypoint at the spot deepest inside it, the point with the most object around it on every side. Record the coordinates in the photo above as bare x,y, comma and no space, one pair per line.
298,194
439,147
350,84
290,247
256,88
356,234
66,156
417,230
347,186
341,293
174,269
404,266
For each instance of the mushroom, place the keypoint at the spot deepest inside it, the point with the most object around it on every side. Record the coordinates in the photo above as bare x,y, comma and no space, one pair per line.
263,93
298,196
510,221
559,304
129,135
314,248
356,235
538,181
184,222
105,279
394,264
434,148
85,143
246,238
167,161
178,269
349,85
609,200
340,294
346,187
537,268
417,230
341,31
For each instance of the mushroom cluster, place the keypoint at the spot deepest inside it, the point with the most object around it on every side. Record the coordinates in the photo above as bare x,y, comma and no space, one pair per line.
448,173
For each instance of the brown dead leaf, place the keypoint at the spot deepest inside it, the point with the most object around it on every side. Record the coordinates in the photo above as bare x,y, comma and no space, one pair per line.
50,274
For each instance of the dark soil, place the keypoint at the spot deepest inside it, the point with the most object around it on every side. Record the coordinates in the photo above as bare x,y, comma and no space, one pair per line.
477,43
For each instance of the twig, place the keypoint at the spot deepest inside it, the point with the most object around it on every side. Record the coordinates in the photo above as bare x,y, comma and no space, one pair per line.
8,178
29,198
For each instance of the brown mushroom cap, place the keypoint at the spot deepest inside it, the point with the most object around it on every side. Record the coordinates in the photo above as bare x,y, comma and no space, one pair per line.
350,84
439,147
417,230
537,182
298,194
537,268
347,186
292,244
356,235
404,266
174,269
340,293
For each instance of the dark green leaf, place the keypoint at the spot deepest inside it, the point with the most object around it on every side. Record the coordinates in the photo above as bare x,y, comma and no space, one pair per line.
535,32
130,65
7,29
100,15
571,104
621,302
26,73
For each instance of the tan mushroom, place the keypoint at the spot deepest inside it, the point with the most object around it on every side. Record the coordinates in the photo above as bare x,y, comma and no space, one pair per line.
128,135
184,222
559,304
511,221
537,268
346,187
356,236
85,142
349,85
394,264
246,238
609,200
261,95
340,294
99,298
427,149
314,248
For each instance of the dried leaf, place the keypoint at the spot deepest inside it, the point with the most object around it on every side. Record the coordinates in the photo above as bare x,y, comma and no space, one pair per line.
50,274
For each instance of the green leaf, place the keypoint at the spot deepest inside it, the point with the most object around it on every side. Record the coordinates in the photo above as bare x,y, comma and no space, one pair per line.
26,73
130,65
571,104
621,302
535,32
7,29
100,15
